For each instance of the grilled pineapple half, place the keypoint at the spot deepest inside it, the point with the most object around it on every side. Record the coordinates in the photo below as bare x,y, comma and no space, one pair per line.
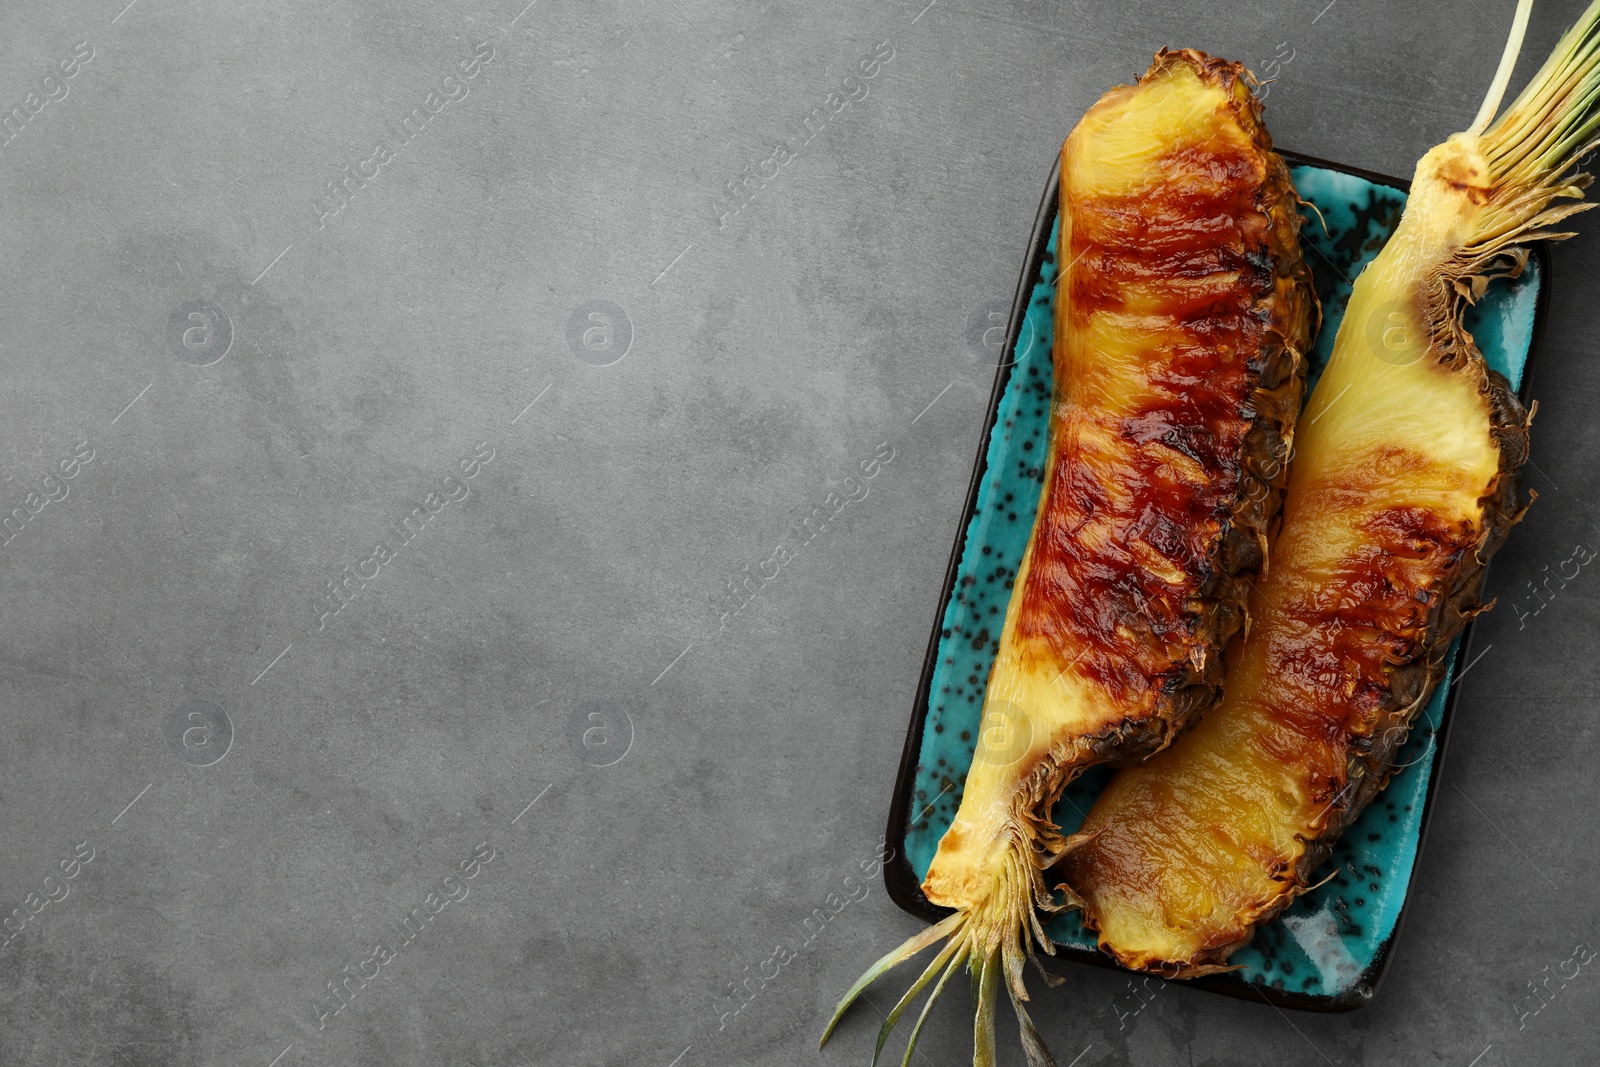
1403,486
1182,312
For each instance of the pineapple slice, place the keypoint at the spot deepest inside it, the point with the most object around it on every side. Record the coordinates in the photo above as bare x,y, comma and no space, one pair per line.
1404,484
1182,312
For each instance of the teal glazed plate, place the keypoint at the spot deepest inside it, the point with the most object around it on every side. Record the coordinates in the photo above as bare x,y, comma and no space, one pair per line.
1328,950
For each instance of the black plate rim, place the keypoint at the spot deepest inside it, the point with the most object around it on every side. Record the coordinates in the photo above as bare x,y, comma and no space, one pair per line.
900,880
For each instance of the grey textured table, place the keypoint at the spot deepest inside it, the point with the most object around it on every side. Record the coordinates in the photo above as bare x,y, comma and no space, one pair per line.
541,348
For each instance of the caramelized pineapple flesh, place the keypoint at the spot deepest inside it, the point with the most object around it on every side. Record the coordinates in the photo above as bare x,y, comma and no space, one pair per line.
1182,312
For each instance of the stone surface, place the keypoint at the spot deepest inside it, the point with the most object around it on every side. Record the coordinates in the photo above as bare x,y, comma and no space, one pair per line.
536,288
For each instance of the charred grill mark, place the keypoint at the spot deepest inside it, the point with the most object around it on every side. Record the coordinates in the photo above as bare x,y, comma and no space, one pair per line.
1337,654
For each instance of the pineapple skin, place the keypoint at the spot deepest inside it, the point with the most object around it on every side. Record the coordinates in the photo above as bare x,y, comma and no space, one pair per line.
1183,310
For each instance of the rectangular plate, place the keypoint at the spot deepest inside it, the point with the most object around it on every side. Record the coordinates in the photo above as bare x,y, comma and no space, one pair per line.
1328,950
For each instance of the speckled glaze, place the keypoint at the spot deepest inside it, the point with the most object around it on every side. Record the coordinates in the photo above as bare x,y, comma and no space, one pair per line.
1328,949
